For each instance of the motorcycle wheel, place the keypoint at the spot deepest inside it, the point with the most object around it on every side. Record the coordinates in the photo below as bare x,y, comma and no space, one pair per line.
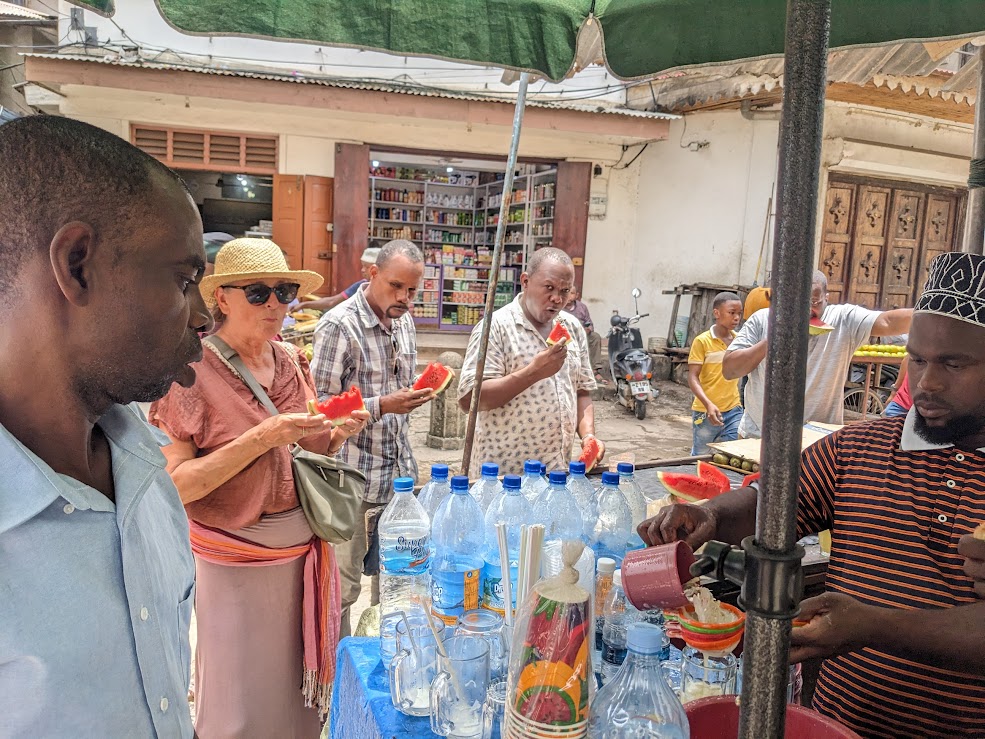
640,409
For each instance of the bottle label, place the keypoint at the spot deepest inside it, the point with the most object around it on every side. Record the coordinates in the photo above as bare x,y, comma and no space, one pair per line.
454,592
612,654
405,556
493,593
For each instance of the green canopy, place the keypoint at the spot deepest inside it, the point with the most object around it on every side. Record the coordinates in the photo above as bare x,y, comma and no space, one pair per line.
641,37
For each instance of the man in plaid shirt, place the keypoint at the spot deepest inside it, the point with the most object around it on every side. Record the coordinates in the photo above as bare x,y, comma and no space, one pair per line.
370,341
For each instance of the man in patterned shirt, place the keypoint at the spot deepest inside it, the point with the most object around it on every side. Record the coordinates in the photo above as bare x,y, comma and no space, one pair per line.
901,628
369,341
535,397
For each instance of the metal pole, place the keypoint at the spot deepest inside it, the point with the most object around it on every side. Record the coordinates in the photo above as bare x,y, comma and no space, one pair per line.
497,259
974,225
767,637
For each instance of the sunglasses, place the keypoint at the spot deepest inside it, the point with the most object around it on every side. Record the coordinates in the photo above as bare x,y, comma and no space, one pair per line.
259,294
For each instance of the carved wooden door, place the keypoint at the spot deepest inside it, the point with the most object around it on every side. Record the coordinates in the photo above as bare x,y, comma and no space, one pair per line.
902,257
865,271
836,238
938,233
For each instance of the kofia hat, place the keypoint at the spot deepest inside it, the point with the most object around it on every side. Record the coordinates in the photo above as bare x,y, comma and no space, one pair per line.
244,259
955,288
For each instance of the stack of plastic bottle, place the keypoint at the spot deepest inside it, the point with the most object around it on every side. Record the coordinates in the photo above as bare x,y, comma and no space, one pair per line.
488,486
557,510
457,536
435,490
584,494
509,507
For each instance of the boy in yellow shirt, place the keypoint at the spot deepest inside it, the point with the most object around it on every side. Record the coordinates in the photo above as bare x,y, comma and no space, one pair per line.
716,410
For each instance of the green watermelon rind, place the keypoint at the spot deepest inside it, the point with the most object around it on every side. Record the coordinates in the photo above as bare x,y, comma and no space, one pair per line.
424,382
689,487
527,698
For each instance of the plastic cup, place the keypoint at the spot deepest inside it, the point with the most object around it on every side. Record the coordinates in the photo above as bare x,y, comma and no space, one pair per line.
654,578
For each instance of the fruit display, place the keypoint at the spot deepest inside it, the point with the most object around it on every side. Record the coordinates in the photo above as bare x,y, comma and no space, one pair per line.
338,408
690,488
733,462
591,453
435,378
818,327
881,350
559,335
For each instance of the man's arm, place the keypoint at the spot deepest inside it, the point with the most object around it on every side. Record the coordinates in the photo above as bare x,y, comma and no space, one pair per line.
893,322
586,414
740,362
323,303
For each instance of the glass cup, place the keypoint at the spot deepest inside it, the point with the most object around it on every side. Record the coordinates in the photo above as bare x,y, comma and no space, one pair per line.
415,664
704,675
494,710
458,691
490,626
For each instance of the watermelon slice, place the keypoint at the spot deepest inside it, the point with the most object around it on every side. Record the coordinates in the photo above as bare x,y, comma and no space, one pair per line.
689,488
750,479
712,474
591,454
559,334
548,705
818,327
338,408
435,378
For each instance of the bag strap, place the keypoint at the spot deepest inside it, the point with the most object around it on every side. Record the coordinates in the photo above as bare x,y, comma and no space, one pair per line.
230,355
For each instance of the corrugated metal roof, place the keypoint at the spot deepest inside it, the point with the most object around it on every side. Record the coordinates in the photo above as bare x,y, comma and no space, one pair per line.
118,60
9,10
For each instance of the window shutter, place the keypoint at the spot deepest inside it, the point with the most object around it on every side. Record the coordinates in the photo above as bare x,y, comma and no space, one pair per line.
221,151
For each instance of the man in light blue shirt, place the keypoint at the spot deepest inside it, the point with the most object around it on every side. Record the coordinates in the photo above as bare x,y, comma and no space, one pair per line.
96,572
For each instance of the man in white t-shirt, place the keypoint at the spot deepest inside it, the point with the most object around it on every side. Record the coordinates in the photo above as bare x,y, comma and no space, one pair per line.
828,356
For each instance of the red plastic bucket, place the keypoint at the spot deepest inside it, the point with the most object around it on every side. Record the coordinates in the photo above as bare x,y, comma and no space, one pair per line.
718,718
655,577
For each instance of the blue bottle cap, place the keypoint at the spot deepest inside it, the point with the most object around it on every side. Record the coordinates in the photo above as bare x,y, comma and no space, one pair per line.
403,484
610,478
459,484
532,467
576,468
543,468
439,471
644,638
490,469
558,477
626,468
511,482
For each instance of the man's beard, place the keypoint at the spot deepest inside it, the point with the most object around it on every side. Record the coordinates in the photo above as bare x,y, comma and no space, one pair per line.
959,427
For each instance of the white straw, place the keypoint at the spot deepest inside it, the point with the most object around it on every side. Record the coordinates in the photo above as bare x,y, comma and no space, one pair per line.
521,581
410,635
441,650
504,561
536,550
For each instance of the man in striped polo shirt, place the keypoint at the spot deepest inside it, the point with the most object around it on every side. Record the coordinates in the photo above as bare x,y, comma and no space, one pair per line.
901,628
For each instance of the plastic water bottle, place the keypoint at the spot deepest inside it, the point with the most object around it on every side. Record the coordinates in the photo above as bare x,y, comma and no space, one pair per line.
619,614
584,493
532,483
603,584
405,551
611,526
435,490
509,507
456,568
488,486
638,701
557,510
656,618
634,498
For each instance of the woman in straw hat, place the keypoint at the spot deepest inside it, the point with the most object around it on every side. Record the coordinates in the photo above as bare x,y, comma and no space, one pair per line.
262,668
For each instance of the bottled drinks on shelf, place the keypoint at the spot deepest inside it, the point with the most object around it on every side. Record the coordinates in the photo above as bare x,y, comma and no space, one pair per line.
583,492
634,498
637,700
405,551
435,490
457,535
611,525
619,615
557,510
488,486
532,483
509,507
606,566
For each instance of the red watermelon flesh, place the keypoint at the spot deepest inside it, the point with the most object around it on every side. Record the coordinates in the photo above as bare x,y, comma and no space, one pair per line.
818,327
559,334
750,479
714,475
548,705
690,488
591,454
338,408
435,378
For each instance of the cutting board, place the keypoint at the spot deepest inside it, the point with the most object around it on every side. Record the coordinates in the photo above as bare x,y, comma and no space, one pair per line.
751,449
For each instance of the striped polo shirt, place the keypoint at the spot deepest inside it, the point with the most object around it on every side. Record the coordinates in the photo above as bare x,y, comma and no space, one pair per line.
897,506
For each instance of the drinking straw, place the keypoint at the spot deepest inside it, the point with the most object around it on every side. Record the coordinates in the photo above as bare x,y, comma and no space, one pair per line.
536,547
441,650
413,641
521,580
504,560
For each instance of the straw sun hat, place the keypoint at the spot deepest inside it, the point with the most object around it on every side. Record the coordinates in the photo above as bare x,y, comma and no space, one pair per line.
245,259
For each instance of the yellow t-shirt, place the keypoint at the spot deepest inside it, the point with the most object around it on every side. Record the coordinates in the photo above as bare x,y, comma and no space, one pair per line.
709,351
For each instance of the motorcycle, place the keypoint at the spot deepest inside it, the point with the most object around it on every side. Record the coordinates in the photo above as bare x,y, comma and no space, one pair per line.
629,363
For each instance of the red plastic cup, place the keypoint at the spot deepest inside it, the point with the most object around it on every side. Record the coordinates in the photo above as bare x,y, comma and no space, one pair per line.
654,577
718,718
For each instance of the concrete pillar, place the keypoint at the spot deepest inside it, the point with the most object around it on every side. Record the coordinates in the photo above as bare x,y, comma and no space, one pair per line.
447,419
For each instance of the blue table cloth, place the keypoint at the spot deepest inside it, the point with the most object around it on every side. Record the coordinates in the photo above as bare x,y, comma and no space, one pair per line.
361,707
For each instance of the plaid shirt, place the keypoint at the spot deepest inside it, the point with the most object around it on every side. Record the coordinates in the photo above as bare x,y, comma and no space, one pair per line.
353,348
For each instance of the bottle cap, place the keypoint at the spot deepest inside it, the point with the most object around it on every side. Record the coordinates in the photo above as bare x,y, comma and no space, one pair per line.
606,565
558,477
645,638
543,469
576,468
403,485
490,469
617,578
459,484
511,482
439,471
610,478
532,467
626,468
